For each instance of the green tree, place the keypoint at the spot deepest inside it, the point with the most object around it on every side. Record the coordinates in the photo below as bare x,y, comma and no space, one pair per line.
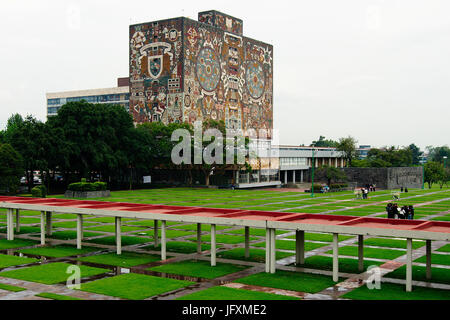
434,172
332,174
322,142
415,154
348,147
11,169
438,153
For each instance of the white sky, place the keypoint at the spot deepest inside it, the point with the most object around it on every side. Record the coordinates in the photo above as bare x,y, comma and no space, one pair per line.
378,70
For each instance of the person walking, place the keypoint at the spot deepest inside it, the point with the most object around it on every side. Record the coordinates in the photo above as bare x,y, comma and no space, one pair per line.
411,213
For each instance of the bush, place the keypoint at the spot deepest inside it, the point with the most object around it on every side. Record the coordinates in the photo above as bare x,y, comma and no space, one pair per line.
87,186
39,191
339,186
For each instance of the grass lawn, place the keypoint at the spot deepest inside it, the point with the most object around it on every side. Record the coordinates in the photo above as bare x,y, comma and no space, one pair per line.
126,240
442,218
126,259
257,255
112,228
71,224
67,216
255,232
70,235
54,296
169,233
50,273
438,275
23,230
179,247
133,286
8,261
18,243
199,268
436,258
390,291
221,238
370,252
324,237
290,245
225,293
204,227
58,251
295,281
346,265
11,288
392,243
150,223
445,248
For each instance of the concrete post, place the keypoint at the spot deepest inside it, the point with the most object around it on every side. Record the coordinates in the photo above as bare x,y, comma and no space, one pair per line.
336,162
118,235
335,257
17,220
163,240
42,227
247,242
199,238
408,265
272,251
155,236
428,253
329,162
299,247
293,176
79,230
301,176
9,224
285,177
213,245
360,253
237,177
48,222
268,237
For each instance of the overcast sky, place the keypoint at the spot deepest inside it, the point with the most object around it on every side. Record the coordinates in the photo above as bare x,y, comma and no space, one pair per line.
378,70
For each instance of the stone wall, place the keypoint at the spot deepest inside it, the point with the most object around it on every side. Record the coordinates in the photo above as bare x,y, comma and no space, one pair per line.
410,177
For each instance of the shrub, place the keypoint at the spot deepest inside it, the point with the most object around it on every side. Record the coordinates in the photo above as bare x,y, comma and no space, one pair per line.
338,186
100,185
87,186
39,191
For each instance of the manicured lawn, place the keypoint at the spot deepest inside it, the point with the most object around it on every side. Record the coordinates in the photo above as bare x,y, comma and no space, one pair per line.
255,232
324,237
204,227
436,258
133,286
439,275
149,223
221,238
23,230
71,224
179,247
126,259
390,291
70,235
169,233
18,243
445,248
346,265
199,268
8,261
295,281
225,293
51,273
54,296
67,216
58,251
392,243
8,287
257,255
290,245
112,228
126,240
370,252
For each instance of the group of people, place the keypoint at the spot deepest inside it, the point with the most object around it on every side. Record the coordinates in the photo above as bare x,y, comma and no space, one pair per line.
395,212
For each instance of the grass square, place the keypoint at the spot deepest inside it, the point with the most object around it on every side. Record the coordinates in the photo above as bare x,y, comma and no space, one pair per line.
8,261
376,253
199,268
346,265
221,238
50,273
225,293
23,230
392,243
125,240
255,232
438,275
436,258
54,296
18,243
112,228
180,247
290,245
169,233
133,286
8,287
204,227
323,237
288,280
71,235
256,255
125,260
58,251
445,248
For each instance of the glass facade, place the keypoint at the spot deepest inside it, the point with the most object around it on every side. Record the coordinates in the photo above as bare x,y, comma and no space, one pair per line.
293,161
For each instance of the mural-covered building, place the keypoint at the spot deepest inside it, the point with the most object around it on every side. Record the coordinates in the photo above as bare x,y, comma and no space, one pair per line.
183,70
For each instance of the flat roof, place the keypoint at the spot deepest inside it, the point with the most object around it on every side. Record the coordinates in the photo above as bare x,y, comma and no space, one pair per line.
89,92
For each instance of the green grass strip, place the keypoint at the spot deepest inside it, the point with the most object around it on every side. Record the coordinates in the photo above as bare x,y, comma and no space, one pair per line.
8,287
225,293
55,296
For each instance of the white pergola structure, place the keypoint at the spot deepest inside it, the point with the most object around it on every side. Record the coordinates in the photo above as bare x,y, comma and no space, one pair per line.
298,222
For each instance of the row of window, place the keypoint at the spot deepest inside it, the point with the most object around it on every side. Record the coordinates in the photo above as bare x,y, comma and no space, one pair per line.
293,161
51,111
91,99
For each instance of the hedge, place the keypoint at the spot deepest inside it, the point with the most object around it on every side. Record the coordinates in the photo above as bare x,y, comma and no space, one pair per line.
39,191
87,186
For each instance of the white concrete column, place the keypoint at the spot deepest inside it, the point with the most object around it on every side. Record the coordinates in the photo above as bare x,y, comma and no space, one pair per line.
301,176
237,177
17,220
272,251
199,238
42,227
155,236
163,240
428,253
79,230
336,162
213,245
247,242
360,253
293,176
408,265
118,235
268,255
299,247
285,177
48,223
316,161
9,224
342,162
335,257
